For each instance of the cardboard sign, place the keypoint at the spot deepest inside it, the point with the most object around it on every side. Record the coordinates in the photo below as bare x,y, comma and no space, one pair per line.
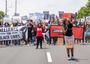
56,31
66,15
78,32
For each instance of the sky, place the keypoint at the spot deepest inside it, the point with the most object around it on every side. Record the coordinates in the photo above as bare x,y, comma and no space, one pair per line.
30,6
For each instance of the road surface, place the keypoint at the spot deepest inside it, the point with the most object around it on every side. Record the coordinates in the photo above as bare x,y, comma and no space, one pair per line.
48,55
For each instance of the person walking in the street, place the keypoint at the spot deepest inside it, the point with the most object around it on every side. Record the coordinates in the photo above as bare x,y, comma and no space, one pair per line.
33,36
47,37
39,35
30,27
69,40
6,25
54,39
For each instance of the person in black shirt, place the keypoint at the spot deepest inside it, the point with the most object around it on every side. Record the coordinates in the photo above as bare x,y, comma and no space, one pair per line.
30,27
69,40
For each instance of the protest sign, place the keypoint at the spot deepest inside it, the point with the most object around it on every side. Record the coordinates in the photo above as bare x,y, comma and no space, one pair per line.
12,35
56,31
15,33
78,32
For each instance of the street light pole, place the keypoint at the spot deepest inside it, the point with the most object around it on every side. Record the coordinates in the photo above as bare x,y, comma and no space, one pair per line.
5,7
15,7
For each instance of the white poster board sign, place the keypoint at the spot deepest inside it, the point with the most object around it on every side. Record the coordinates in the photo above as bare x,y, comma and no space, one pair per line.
12,35
15,33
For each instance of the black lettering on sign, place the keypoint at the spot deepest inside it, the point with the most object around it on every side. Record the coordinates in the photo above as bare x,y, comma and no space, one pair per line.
14,36
0,37
5,37
18,36
8,33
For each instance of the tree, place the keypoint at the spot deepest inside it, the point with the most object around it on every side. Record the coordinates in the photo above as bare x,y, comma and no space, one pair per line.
1,14
81,12
84,11
88,4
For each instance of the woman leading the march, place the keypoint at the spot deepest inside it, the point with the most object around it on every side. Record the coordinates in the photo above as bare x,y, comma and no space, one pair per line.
39,35
69,40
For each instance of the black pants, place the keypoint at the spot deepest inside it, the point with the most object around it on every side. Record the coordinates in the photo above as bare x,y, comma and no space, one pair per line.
54,40
39,42
29,40
70,52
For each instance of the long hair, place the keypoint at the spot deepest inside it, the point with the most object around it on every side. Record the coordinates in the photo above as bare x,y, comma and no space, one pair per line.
64,21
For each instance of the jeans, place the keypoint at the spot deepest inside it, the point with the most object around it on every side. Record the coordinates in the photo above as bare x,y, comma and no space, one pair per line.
47,39
33,39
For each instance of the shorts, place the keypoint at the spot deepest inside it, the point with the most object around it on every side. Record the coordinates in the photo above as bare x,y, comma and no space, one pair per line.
69,41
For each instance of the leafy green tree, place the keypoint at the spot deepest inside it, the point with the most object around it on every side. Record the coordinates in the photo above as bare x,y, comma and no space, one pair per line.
1,14
81,12
84,11
88,4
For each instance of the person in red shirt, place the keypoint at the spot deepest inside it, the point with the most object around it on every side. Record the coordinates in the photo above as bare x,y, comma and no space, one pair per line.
39,35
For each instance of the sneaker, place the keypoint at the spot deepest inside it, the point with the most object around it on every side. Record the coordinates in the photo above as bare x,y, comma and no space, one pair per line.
41,48
72,58
68,56
28,45
36,47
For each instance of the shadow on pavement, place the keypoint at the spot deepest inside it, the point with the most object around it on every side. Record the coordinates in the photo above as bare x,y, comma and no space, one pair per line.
74,59
85,44
45,48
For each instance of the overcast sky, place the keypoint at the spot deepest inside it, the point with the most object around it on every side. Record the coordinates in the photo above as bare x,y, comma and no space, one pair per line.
29,6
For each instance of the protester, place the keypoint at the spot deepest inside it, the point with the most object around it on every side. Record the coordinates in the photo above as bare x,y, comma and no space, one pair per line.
1,42
33,36
39,35
30,26
69,40
6,42
57,21
54,38
47,36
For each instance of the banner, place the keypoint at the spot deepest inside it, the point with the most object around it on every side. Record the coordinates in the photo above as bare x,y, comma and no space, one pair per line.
56,31
78,32
4,29
13,33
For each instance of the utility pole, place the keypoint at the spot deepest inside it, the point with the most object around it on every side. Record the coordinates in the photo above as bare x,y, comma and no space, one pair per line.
15,7
5,7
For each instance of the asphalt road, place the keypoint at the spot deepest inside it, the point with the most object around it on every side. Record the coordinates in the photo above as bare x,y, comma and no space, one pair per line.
48,55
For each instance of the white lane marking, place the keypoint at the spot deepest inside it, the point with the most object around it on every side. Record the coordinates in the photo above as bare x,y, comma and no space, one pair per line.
49,57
